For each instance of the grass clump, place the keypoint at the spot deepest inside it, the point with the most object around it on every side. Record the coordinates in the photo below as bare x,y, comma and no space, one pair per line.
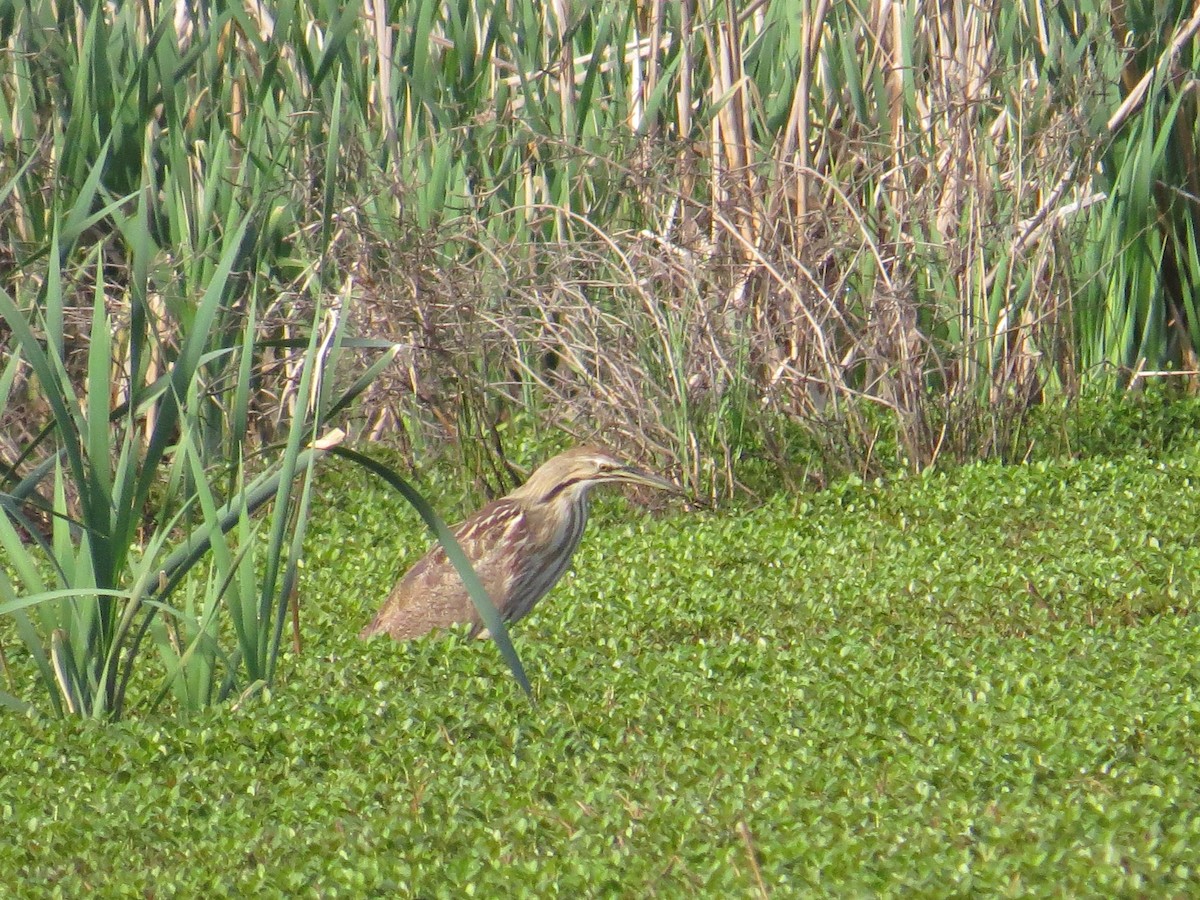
975,682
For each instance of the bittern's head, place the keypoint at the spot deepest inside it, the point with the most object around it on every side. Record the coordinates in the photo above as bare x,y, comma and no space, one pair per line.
569,476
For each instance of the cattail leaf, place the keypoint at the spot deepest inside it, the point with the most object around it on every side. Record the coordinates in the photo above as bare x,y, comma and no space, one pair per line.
487,610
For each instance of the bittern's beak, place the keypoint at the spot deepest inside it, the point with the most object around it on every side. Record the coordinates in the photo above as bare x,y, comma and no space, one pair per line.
634,475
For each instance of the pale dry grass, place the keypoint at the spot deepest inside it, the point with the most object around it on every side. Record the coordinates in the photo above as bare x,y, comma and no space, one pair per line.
700,232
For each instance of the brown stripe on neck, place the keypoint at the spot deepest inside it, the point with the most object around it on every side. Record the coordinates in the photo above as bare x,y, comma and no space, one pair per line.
559,488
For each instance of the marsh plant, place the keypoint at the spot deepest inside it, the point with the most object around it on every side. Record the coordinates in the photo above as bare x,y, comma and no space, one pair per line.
828,237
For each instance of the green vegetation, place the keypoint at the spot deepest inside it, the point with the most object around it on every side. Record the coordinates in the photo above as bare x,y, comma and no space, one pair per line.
752,247
698,229
97,584
983,681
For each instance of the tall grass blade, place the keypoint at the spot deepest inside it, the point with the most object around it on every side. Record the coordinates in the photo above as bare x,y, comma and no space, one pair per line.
487,610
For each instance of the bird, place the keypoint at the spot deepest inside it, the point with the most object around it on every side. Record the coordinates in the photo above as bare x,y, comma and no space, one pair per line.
519,546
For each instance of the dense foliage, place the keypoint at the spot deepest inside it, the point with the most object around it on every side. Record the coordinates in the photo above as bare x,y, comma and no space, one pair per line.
976,682
836,238
690,226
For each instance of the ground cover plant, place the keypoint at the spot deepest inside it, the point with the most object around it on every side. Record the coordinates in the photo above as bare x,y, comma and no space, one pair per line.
764,245
837,238
975,682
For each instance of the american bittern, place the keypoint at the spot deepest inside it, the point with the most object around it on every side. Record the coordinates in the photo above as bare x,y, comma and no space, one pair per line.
519,545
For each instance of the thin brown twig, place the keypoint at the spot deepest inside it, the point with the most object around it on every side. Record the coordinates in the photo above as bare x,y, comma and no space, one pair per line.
752,856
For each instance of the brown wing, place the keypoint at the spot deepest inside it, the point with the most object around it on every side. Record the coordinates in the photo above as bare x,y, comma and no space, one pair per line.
431,595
